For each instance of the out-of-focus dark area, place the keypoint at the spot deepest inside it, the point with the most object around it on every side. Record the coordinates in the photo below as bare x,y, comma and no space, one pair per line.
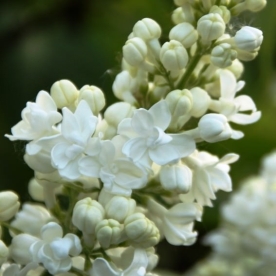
45,41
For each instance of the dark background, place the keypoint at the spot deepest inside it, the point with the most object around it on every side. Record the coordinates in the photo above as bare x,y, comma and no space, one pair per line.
42,41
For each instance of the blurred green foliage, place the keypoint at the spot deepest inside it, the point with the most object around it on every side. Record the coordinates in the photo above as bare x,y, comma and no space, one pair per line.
43,41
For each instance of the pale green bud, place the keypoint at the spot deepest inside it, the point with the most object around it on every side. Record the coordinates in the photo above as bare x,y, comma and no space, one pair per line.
246,55
248,38
180,103
108,232
4,252
222,55
120,207
65,94
140,231
236,68
115,113
94,97
201,101
35,190
178,16
223,12
210,27
184,33
135,51
87,214
255,5
176,176
9,205
147,29
173,56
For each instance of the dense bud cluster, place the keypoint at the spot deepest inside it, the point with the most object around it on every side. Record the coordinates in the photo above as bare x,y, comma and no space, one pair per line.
134,174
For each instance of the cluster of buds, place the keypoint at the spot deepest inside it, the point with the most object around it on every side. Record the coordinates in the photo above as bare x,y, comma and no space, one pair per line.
245,240
134,174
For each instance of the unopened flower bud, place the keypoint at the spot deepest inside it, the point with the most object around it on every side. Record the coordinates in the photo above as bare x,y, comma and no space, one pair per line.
4,252
184,33
35,190
176,176
123,86
87,214
246,55
173,56
201,101
214,128
210,27
94,97
147,29
178,16
108,232
248,38
141,231
115,113
180,103
120,207
9,205
135,51
236,68
223,12
20,248
222,55
255,5
64,93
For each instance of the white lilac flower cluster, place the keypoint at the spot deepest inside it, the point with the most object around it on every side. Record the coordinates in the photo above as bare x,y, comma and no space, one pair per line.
113,184
245,240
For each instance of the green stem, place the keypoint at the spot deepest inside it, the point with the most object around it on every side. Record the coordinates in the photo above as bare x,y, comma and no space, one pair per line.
13,229
193,63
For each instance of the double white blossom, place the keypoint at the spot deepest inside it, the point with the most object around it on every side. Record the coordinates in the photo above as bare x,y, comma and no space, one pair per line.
147,140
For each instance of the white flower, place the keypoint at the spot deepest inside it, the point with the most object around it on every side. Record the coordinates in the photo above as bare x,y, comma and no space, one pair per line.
176,224
31,218
214,128
38,119
119,174
136,268
232,106
76,132
147,139
53,251
209,175
147,29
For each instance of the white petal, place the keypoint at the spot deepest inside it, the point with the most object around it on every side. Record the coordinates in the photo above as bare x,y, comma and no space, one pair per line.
50,231
135,148
244,119
71,171
220,180
89,166
58,155
125,128
236,134
45,101
142,122
102,268
161,114
245,103
229,158
138,265
227,84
